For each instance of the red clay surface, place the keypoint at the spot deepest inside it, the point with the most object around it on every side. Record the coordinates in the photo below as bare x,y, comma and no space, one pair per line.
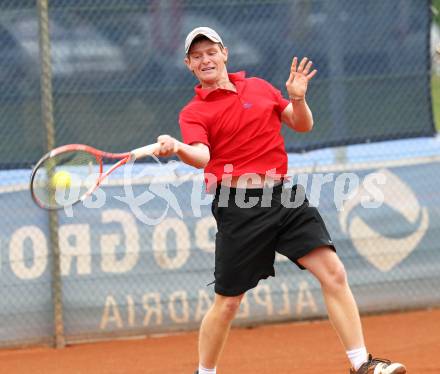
313,348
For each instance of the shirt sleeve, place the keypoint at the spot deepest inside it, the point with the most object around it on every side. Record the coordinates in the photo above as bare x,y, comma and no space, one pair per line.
193,128
280,100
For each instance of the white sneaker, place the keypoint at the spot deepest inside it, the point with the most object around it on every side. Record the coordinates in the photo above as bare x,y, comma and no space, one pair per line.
379,366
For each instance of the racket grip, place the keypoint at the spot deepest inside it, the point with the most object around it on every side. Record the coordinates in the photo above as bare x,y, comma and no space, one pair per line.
148,150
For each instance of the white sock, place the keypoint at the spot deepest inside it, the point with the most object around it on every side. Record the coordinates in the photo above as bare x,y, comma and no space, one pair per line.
203,370
357,357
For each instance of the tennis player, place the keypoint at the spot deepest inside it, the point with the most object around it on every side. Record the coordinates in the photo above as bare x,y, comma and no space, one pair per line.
231,128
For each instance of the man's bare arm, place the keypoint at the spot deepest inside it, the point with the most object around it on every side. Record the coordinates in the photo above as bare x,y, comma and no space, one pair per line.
298,116
196,154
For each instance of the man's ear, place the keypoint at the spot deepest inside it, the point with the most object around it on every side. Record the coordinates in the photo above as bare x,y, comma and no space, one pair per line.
225,53
187,63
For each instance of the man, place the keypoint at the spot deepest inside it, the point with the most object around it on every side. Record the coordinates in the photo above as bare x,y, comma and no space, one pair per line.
231,128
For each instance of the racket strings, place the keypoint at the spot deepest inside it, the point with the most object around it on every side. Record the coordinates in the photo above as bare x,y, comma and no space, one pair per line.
63,179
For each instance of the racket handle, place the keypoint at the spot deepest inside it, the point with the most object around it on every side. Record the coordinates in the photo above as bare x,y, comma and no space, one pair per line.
148,150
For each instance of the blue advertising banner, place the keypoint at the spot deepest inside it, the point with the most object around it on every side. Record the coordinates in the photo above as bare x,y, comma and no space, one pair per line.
137,258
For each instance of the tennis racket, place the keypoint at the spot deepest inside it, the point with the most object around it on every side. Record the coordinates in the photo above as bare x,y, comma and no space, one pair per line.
71,173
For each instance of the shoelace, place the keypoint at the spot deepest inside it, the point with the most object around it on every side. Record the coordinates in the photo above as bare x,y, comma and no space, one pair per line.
377,360
380,362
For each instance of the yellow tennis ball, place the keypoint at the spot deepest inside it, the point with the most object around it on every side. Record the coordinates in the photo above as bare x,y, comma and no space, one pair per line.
61,179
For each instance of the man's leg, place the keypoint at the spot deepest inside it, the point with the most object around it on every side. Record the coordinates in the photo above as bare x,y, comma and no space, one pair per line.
215,329
342,310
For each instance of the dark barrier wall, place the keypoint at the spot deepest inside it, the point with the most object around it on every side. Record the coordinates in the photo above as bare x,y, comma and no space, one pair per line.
119,79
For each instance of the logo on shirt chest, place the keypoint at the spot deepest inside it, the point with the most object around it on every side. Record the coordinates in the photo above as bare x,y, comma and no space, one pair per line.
247,105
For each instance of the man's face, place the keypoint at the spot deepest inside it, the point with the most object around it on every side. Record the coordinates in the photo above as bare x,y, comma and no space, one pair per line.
207,60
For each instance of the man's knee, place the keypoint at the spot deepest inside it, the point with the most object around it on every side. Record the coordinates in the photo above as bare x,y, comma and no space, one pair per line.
335,277
228,306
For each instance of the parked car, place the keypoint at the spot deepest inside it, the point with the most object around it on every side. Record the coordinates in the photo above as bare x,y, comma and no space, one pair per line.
78,50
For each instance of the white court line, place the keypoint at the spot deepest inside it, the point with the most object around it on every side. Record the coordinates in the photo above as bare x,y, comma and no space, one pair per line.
365,165
291,171
14,188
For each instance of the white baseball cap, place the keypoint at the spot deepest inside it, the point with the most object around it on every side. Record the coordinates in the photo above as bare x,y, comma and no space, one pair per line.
206,31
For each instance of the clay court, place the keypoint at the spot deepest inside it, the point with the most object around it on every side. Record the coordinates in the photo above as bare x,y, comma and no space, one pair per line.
310,347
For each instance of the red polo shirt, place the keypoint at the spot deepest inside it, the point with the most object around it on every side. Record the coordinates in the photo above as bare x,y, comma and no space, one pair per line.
240,128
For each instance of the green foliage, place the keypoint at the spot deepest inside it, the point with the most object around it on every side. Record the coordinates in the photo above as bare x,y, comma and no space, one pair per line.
436,100
436,6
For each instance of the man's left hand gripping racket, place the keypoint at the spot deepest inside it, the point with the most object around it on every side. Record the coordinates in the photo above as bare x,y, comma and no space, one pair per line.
76,170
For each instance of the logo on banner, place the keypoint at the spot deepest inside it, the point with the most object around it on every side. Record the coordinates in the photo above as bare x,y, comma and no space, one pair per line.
400,212
152,205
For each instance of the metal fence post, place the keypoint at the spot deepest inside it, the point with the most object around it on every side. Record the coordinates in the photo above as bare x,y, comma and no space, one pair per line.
47,116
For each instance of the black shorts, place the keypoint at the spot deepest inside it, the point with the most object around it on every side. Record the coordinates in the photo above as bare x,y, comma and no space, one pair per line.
254,224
